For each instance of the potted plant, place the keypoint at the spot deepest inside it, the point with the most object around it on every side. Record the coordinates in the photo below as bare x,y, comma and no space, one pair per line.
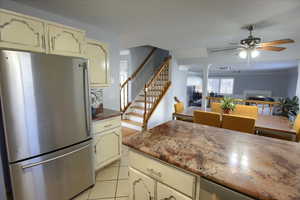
227,105
289,107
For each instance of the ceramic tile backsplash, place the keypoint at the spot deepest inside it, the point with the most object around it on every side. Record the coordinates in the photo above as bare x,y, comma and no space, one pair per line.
96,97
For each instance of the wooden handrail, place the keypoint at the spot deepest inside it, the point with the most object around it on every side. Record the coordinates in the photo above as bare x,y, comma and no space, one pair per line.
124,86
141,66
159,71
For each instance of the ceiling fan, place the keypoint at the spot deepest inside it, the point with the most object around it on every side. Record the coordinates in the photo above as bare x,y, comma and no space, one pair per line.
250,46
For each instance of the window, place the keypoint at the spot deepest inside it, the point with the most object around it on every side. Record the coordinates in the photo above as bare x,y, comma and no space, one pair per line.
220,85
226,86
213,85
195,81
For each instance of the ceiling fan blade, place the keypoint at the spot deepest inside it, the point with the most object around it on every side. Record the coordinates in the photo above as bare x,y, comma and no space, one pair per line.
276,42
271,48
215,50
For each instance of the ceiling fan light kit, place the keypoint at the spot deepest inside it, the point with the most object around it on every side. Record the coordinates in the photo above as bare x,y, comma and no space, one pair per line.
249,53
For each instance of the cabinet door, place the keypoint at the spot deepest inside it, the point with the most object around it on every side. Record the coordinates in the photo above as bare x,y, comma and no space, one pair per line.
166,193
21,32
65,41
107,147
97,53
213,191
141,186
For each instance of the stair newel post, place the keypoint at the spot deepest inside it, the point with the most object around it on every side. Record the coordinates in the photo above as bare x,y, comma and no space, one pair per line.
145,108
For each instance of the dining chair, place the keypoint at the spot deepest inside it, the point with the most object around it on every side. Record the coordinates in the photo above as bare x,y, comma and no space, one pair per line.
238,123
179,107
245,110
207,118
216,107
297,127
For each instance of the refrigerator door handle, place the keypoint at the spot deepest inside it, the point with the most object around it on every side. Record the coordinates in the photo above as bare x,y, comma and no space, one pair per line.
87,98
52,159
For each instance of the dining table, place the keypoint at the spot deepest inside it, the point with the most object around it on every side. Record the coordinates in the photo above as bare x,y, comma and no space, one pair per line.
264,122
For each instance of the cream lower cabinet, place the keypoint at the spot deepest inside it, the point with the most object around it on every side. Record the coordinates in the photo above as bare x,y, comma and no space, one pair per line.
107,147
169,183
166,193
107,141
65,41
153,179
21,32
141,187
97,53
145,187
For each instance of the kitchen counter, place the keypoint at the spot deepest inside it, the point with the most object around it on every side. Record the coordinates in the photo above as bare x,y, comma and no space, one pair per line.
260,167
107,113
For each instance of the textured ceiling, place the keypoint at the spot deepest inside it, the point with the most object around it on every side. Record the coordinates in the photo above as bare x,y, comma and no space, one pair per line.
181,25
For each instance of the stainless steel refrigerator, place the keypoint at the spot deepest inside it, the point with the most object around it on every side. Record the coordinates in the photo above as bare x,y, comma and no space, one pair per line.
45,122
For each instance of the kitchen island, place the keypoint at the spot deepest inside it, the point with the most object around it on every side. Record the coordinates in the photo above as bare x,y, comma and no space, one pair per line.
202,162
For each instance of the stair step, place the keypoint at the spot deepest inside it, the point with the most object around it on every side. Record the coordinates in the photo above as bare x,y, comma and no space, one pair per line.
155,90
153,95
139,107
135,114
132,122
143,101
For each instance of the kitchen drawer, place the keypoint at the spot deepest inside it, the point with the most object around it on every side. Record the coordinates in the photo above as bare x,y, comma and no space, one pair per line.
166,193
106,124
171,176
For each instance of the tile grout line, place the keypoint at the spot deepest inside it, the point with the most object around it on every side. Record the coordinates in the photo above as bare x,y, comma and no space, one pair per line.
117,180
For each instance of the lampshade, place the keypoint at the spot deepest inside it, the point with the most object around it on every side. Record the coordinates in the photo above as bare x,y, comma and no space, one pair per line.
254,53
243,54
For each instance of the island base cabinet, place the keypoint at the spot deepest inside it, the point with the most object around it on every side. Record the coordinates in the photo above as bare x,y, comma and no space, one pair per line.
166,193
141,187
213,191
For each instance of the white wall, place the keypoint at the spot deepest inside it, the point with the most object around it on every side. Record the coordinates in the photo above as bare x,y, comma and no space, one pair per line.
111,94
165,109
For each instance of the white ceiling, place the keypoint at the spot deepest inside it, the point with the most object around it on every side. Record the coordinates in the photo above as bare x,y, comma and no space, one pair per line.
181,25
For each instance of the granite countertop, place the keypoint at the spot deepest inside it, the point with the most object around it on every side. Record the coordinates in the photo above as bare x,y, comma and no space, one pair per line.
107,113
261,167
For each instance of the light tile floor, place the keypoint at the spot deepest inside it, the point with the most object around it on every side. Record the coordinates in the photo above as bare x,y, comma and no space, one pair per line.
111,182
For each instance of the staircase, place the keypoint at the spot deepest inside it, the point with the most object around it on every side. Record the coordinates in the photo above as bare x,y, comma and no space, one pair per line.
137,113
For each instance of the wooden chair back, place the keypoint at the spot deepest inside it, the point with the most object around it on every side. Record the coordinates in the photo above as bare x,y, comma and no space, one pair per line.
179,107
216,107
245,110
238,123
207,118
297,127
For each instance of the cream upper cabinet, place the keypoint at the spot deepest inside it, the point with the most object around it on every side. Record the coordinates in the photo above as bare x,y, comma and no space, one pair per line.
65,40
97,53
107,147
166,193
141,187
21,32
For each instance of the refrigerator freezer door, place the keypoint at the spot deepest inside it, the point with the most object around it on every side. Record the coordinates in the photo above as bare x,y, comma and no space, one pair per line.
60,175
43,101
